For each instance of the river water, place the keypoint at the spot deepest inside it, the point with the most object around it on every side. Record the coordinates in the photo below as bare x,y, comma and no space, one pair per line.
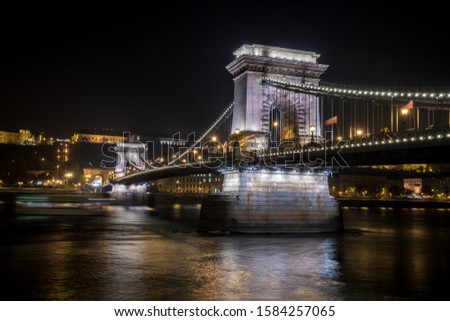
140,254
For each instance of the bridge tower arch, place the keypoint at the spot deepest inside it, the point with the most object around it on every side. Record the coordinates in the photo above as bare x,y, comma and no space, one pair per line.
276,125
254,100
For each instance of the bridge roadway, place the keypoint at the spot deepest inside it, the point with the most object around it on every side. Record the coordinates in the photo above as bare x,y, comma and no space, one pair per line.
413,150
420,149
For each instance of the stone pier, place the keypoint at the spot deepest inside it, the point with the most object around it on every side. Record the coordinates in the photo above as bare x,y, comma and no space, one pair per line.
271,202
131,194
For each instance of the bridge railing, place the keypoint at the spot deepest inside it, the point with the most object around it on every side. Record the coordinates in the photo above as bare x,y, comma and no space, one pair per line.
419,134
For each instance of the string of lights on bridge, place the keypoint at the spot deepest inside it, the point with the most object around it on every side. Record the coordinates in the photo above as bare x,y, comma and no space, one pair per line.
364,144
368,92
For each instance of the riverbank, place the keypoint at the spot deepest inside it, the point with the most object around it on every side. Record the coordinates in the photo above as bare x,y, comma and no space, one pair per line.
173,198
166,198
395,203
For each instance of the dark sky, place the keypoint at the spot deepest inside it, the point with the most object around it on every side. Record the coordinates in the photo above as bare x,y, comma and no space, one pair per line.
161,67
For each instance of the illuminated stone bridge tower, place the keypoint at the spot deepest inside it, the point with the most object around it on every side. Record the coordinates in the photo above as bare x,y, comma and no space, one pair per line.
261,109
267,199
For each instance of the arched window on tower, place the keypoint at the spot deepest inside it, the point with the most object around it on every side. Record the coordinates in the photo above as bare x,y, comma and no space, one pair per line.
275,126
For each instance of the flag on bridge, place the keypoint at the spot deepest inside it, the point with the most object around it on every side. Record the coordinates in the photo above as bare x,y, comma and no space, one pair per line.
331,121
250,137
409,105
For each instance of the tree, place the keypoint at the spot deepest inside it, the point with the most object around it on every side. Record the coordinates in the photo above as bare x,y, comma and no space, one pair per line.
394,190
16,171
407,192
426,190
359,189
373,190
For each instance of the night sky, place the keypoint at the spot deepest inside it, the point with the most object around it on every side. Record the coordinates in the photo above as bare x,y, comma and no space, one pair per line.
161,68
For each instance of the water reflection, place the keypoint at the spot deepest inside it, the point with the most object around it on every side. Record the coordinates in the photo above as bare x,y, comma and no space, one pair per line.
402,255
278,267
136,254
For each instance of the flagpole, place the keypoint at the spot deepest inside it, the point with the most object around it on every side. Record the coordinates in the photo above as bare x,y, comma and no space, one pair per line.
332,126
396,118
418,119
392,115
332,136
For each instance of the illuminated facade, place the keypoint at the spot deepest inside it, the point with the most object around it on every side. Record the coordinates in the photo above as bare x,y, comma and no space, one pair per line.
62,153
22,136
194,184
26,137
360,185
96,177
9,137
94,136
413,184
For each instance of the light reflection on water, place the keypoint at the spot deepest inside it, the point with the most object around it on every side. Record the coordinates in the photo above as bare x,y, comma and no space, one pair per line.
136,254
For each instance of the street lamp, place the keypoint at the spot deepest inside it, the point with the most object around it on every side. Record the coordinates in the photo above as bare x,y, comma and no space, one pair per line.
404,112
359,132
214,138
237,131
68,176
275,124
312,128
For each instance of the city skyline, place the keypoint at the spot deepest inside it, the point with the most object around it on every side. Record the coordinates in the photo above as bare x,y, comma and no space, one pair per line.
134,70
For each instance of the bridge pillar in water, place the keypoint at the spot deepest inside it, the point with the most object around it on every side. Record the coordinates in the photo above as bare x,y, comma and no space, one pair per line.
262,111
131,194
271,202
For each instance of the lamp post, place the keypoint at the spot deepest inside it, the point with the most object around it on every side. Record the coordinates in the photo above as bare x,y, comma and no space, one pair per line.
404,112
359,134
68,176
312,129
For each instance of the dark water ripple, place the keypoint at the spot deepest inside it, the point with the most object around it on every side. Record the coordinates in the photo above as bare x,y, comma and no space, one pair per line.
136,254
